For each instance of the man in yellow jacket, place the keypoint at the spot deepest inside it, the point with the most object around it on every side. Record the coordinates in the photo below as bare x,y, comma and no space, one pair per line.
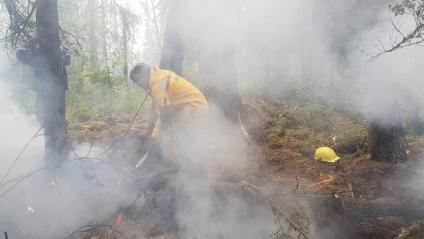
172,95
176,102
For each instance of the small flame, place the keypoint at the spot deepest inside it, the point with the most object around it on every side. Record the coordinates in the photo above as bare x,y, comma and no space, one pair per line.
119,219
29,209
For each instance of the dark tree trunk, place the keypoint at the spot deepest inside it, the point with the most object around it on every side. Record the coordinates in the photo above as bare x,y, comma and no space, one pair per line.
173,44
217,56
53,83
219,80
387,142
172,57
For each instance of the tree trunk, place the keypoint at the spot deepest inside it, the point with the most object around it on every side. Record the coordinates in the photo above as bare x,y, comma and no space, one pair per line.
387,142
104,34
173,44
217,56
51,91
125,29
92,31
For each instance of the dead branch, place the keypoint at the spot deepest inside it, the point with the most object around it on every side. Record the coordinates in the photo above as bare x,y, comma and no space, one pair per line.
276,211
19,155
21,179
91,228
413,38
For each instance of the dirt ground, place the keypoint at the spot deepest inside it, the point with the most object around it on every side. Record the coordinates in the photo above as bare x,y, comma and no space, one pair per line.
354,198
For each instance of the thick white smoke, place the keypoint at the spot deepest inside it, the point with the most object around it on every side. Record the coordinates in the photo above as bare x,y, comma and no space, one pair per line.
281,45
213,156
36,202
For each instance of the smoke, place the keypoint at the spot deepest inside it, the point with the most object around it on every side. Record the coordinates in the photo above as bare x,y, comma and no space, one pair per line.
286,45
36,202
279,47
273,47
16,128
213,156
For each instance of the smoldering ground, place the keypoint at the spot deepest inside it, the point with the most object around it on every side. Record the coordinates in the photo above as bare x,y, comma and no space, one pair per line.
210,151
37,202
204,197
317,45
40,203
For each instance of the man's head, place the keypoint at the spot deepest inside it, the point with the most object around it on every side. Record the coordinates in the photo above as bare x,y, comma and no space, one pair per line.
140,74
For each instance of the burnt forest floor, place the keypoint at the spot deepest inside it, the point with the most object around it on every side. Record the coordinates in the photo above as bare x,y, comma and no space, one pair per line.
354,198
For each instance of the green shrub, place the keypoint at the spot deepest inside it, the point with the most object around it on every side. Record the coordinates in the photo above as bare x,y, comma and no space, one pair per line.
97,95
316,117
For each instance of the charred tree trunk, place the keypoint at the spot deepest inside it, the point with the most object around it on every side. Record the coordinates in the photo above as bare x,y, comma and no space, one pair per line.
387,142
173,44
53,82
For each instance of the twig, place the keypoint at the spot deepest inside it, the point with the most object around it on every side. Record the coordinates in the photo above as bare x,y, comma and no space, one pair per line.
382,228
413,38
275,209
19,155
20,180
114,144
93,227
289,192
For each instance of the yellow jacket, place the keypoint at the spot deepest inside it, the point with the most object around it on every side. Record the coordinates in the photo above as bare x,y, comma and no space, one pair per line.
169,89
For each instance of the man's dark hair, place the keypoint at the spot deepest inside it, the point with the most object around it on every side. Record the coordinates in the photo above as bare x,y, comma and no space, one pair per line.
139,70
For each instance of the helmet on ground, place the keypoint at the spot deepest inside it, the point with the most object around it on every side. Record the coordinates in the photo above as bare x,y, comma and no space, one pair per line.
326,154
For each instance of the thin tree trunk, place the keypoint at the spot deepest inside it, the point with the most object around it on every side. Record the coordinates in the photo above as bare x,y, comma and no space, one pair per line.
53,76
173,45
92,31
104,34
125,28
156,22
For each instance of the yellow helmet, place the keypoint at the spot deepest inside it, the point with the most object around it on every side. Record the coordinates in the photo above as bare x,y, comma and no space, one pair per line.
326,154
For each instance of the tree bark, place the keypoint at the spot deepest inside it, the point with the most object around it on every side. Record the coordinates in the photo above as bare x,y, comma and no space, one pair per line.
387,142
173,44
53,83
217,56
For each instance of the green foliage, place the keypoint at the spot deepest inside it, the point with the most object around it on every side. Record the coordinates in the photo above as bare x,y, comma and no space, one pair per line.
414,6
95,94
316,117
304,128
